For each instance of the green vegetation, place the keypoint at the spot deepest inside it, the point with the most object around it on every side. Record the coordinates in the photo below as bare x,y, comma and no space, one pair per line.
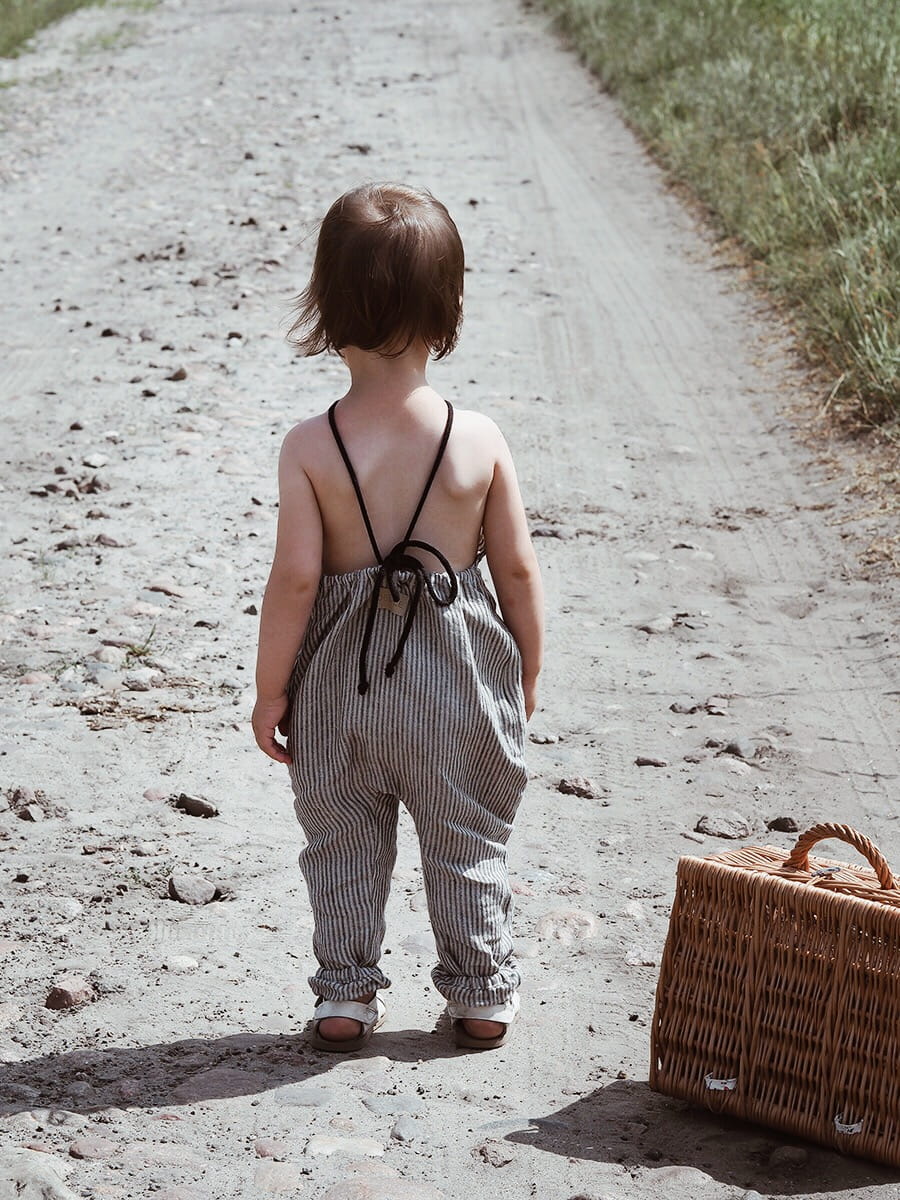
19,19
783,116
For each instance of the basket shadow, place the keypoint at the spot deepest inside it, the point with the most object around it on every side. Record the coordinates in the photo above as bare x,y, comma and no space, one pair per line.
191,1070
625,1122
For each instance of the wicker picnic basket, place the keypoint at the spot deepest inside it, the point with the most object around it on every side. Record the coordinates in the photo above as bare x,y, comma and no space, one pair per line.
779,993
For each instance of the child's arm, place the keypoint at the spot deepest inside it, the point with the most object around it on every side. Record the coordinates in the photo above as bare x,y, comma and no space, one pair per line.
514,569
290,592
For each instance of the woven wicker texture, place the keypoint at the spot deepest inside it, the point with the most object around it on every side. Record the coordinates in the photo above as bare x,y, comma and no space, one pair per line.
779,993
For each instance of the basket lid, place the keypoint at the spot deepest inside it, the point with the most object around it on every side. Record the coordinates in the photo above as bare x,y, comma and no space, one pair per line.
876,883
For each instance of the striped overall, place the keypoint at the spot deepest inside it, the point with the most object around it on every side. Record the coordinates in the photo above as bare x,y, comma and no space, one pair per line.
407,690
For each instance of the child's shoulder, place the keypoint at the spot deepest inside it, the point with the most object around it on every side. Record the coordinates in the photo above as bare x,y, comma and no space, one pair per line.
307,437
467,422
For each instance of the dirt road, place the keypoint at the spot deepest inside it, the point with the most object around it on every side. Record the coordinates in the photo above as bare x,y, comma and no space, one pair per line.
162,172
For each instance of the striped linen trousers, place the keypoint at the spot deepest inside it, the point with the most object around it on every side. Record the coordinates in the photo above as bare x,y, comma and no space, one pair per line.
444,736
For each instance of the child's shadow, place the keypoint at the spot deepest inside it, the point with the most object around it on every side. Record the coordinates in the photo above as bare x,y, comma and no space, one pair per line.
168,1074
625,1122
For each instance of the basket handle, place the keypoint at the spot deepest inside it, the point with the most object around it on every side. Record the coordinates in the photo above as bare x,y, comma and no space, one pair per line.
799,856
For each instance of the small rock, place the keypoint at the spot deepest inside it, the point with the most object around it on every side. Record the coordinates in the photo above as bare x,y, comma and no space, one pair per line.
69,992
382,1188
404,1130
543,739
724,824
304,1095
278,1178
191,889
219,1083
577,786
252,610
270,1148
566,925
33,677
660,624
33,1175
494,1153
783,825
95,461
30,812
155,794
92,1147
180,964
648,760
787,1157
196,806
740,747
114,655
180,374
323,1144
641,956
685,706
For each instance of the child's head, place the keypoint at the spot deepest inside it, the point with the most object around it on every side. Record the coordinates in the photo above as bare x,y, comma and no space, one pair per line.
388,272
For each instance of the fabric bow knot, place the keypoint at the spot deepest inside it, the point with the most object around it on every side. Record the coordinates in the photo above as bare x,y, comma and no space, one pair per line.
397,560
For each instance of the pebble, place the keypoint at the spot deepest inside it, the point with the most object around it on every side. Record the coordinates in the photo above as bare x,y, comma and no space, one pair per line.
321,1144
641,956
155,794
783,825
191,889
688,1178
278,1178
30,812
114,655
494,1153
566,925
404,1130
180,964
786,1157
270,1148
32,1174
142,680
382,1189
660,624
577,786
92,1147
68,992
394,1106
32,677
724,824
196,806
219,1083
9,1014
649,760
740,747
304,1095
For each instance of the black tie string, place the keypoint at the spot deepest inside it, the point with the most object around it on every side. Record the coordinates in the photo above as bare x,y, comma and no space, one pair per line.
399,560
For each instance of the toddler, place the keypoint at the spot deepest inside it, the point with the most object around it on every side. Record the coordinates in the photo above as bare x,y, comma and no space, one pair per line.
382,657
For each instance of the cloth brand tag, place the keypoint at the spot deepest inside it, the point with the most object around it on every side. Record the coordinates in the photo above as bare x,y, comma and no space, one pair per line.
387,601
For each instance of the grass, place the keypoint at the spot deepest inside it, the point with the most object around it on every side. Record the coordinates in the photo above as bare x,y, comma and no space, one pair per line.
19,19
783,117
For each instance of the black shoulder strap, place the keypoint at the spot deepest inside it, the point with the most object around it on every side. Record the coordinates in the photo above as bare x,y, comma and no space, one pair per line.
445,438
359,496
438,458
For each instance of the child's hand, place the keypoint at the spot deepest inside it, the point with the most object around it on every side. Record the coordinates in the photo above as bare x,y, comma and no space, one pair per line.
269,716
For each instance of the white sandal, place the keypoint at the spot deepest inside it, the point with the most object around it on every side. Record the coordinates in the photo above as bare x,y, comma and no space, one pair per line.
504,1014
370,1016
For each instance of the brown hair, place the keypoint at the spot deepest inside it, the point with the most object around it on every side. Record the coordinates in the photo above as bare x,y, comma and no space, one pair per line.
388,271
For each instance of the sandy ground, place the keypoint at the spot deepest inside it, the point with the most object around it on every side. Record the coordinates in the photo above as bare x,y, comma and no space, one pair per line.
162,170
